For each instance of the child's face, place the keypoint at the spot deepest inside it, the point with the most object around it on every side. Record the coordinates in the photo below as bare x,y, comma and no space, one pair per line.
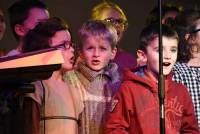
111,15
62,37
97,52
170,49
35,15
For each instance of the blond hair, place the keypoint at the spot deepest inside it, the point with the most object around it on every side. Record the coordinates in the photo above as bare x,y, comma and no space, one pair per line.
98,28
96,11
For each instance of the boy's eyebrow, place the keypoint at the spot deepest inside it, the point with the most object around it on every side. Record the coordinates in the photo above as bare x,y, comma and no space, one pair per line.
155,47
175,45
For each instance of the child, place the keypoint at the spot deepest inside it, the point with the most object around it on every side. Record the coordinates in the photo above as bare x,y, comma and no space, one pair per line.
96,77
24,15
135,108
169,13
112,13
54,107
187,69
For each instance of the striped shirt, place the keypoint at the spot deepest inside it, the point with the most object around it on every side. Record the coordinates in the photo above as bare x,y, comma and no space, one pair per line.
96,89
190,77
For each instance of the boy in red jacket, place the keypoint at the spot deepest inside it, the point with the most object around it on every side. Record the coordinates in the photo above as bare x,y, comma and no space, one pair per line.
135,108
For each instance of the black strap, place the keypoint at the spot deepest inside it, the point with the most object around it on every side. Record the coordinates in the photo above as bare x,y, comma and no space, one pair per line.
59,117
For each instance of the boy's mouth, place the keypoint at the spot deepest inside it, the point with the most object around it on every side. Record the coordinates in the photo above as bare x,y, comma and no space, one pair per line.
166,64
71,60
95,62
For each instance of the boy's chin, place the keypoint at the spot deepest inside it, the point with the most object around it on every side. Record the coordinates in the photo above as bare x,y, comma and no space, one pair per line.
166,72
96,69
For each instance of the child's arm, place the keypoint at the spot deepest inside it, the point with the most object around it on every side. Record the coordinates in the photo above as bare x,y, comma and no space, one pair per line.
118,116
189,121
31,110
31,116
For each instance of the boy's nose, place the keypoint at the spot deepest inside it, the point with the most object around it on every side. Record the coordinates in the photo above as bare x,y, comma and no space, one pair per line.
71,49
96,52
167,55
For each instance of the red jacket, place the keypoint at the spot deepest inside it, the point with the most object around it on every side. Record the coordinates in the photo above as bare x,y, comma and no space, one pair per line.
135,108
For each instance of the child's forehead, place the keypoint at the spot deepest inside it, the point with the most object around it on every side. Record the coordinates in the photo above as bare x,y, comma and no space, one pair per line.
166,41
96,38
96,42
153,42
169,41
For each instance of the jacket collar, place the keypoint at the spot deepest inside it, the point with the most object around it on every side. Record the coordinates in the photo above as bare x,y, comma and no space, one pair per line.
109,71
137,74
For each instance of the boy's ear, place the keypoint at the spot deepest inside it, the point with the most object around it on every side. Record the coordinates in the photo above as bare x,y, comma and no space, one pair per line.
19,30
141,58
114,51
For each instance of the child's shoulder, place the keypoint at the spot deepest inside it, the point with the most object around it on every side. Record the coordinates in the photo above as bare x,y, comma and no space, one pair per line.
71,72
112,71
71,75
180,67
136,76
178,87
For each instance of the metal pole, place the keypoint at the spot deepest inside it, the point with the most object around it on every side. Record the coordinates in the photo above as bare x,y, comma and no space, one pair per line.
161,84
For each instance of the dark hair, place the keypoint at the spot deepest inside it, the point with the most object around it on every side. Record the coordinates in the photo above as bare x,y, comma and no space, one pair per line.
186,23
38,38
98,28
151,32
153,16
19,11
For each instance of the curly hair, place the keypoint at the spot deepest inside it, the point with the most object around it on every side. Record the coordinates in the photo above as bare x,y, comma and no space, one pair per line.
186,23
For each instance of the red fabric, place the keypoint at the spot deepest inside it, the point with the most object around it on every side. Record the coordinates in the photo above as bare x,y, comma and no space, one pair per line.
137,110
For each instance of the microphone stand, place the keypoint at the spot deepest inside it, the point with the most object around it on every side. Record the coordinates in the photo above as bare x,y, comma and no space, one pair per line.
161,84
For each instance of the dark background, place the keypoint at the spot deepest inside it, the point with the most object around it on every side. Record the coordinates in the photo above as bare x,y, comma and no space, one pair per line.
75,12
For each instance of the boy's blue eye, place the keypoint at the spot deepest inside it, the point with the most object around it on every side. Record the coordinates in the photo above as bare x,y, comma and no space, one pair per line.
174,50
103,48
157,49
89,48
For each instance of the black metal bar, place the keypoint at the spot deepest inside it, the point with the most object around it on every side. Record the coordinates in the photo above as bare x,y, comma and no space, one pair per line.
161,84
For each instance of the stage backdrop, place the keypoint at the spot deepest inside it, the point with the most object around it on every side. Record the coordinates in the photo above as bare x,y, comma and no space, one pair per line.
75,12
